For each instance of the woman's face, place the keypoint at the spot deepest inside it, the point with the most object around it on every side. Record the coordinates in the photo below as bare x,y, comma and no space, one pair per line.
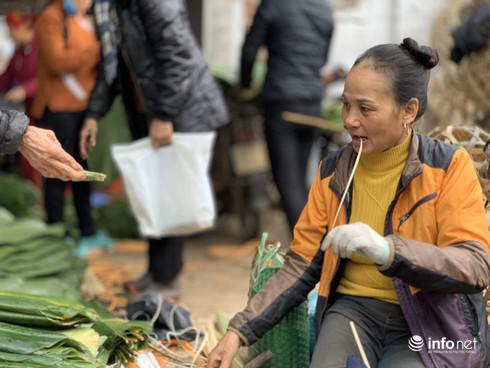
82,6
22,35
370,111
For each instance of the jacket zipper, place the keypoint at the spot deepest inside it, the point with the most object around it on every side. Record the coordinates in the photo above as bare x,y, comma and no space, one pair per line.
474,317
347,206
402,290
419,203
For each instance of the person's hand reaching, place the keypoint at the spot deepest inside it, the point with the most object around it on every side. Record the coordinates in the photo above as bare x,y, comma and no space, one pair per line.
44,152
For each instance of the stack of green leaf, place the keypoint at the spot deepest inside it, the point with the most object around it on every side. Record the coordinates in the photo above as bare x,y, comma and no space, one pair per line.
35,258
42,332
38,331
19,196
43,327
289,339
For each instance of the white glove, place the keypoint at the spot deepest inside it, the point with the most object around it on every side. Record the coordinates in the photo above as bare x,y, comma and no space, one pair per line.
359,238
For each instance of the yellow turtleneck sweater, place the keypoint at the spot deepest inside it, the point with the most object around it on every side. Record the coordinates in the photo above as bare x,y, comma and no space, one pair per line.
375,183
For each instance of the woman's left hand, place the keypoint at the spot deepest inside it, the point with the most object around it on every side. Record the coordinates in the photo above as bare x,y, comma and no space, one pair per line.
346,240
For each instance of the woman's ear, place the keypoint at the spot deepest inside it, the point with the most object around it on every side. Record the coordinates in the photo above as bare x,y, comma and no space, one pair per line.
410,111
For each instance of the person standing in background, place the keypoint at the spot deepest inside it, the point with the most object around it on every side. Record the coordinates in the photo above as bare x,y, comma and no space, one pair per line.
150,56
297,35
68,57
18,82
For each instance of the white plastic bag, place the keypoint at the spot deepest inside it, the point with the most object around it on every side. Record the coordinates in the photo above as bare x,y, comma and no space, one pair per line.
169,188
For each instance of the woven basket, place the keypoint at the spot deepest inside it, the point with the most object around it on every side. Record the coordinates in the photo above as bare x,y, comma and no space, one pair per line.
289,339
458,93
477,142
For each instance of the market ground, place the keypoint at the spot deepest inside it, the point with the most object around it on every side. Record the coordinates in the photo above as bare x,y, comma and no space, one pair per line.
217,266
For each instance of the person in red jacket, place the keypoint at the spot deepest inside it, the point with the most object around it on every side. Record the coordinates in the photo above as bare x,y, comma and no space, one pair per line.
18,83
19,80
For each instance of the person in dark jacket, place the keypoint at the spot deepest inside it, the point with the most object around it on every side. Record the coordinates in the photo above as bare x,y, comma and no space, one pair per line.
151,56
297,35
405,256
39,146
472,34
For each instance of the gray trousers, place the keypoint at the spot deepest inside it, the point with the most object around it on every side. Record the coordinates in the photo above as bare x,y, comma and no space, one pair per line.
382,330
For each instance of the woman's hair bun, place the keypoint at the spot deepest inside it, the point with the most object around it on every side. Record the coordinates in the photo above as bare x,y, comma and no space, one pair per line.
427,56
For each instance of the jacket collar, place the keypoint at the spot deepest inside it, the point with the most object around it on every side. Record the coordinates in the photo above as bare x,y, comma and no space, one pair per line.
413,167
347,158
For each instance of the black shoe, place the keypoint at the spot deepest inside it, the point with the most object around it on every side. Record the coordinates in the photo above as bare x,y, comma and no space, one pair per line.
139,285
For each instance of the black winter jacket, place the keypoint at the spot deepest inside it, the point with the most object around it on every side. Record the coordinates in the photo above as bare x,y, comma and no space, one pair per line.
13,125
159,57
297,35
472,34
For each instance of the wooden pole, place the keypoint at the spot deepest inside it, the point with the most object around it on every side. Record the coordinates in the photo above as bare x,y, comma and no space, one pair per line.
313,121
359,344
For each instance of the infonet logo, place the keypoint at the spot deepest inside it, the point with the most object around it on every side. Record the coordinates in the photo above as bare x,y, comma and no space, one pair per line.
415,343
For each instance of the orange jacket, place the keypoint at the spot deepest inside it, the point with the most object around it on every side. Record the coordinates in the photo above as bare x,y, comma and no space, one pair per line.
439,257
64,47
